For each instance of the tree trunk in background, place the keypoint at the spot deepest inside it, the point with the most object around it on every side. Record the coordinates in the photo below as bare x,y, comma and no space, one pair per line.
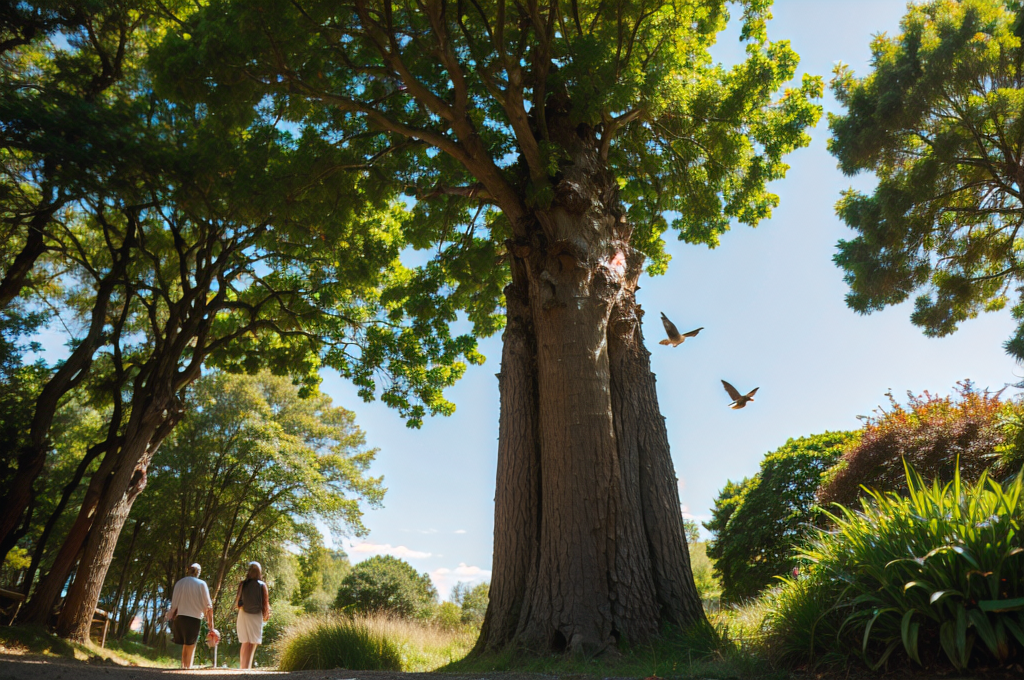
38,608
589,546
151,421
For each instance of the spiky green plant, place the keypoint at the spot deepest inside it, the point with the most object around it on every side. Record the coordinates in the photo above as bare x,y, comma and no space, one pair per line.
939,568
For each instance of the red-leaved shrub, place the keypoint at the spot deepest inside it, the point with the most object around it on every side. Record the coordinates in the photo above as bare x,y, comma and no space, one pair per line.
931,433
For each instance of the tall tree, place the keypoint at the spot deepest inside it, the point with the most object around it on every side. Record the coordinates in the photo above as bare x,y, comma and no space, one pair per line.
544,143
252,465
204,241
940,122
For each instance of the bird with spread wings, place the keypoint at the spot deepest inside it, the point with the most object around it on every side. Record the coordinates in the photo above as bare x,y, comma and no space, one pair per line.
739,400
675,338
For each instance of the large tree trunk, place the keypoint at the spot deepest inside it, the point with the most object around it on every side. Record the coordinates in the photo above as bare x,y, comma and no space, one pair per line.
147,428
39,607
589,546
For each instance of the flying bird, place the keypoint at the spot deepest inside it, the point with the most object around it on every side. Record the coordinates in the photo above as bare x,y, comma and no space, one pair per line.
739,400
676,338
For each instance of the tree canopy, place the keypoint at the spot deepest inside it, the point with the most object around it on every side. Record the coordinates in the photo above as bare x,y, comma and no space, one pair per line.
386,584
940,123
464,92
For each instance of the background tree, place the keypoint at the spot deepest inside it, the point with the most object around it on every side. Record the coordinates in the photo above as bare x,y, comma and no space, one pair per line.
543,143
472,601
321,572
194,241
769,514
940,122
386,584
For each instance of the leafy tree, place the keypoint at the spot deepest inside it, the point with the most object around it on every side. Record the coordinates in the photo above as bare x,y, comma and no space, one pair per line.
691,530
940,122
933,434
245,474
472,601
768,513
321,572
725,505
543,144
195,241
387,584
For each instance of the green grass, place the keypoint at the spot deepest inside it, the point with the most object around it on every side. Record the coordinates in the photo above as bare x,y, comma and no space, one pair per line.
321,643
705,652
35,640
371,643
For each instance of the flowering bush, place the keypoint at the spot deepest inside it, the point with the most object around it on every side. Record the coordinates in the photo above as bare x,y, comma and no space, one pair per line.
931,433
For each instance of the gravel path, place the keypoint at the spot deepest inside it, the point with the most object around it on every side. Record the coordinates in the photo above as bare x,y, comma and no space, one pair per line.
36,668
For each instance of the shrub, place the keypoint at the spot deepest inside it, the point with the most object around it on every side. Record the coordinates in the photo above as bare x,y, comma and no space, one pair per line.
757,522
448,616
386,584
324,643
931,433
938,572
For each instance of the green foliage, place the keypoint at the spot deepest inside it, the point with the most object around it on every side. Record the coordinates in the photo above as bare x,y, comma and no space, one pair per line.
322,644
692,530
935,573
386,584
245,476
757,523
683,135
939,122
969,429
472,602
321,572
703,569
448,615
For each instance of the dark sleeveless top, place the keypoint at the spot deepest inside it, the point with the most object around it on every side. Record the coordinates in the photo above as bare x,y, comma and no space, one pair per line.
250,596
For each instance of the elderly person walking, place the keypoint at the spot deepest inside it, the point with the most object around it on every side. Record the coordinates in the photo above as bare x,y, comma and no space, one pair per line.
190,602
253,602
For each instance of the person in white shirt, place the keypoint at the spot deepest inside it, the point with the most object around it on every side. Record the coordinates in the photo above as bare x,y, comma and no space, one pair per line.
190,602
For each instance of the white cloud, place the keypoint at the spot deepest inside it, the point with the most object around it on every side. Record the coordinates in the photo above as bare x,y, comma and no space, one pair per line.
460,531
367,548
444,578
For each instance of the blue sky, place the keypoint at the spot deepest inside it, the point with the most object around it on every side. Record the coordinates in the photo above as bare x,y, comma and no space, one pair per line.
771,303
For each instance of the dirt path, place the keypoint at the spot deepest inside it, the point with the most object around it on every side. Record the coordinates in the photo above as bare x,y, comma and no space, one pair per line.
39,668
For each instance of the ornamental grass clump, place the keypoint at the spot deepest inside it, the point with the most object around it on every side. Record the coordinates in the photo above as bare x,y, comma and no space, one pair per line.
320,643
936,575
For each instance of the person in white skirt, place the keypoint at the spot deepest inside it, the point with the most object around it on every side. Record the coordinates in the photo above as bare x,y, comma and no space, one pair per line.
253,602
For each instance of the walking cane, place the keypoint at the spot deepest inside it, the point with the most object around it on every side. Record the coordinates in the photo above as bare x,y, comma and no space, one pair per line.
213,640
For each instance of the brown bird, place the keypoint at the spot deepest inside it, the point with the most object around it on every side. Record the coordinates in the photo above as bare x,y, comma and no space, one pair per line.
676,338
739,400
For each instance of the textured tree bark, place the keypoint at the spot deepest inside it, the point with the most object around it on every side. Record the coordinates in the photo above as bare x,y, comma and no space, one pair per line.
147,428
589,545
40,605
517,493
